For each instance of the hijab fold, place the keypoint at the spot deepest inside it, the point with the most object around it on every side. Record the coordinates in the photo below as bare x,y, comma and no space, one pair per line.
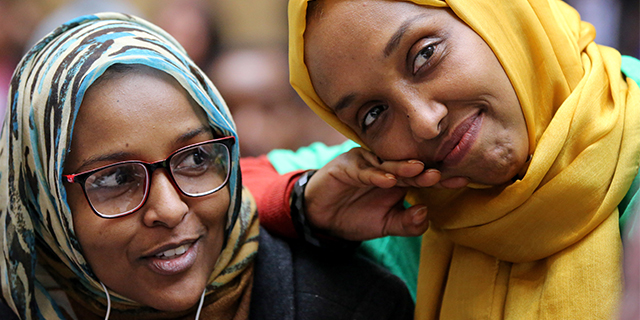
46,91
546,246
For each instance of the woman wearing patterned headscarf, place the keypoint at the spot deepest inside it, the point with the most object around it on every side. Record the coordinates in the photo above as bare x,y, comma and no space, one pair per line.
93,229
527,126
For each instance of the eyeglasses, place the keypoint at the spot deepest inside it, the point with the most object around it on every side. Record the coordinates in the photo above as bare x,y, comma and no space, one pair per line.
122,188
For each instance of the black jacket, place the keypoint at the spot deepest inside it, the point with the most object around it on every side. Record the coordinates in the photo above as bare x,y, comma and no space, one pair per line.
294,281
297,281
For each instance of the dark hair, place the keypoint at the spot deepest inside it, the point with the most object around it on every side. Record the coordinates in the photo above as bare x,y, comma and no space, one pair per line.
118,70
314,9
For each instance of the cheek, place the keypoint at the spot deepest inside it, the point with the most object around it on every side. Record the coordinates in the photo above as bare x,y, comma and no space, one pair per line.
103,242
212,210
397,141
84,219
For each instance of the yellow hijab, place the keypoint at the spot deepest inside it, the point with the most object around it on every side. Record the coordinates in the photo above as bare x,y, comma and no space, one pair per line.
548,245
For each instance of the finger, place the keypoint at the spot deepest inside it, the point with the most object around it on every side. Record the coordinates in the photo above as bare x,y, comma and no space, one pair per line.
409,222
455,182
428,178
360,176
376,177
369,156
360,164
403,168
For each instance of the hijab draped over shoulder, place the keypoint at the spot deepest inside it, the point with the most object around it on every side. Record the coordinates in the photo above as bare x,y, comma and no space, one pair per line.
46,91
546,246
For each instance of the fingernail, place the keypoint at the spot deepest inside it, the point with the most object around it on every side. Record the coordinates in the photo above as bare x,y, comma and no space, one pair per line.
420,216
416,162
390,176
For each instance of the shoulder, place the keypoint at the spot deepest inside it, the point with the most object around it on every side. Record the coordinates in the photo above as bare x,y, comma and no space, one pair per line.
347,286
318,284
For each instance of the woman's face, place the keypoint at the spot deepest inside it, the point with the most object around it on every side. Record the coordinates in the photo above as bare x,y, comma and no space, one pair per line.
415,82
146,115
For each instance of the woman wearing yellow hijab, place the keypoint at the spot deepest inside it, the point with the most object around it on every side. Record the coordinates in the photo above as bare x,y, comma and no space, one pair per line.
529,124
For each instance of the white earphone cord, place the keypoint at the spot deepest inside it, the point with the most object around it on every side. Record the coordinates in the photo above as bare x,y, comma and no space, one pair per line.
106,317
201,303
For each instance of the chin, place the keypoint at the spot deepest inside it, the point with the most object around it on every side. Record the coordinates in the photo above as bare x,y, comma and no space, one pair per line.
500,169
178,297
498,177
175,306
490,182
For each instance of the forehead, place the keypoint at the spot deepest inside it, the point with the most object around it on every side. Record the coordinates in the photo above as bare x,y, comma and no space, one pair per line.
342,22
139,91
357,35
135,107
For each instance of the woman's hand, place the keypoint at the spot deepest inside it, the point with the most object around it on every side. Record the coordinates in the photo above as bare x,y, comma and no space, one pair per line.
358,197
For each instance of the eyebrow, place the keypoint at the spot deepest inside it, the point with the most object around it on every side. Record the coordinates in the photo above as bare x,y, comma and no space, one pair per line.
111,157
122,156
344,102
391,46
193,133
395,39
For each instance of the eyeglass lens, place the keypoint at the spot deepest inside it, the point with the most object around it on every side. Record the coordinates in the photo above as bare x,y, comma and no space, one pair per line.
197,171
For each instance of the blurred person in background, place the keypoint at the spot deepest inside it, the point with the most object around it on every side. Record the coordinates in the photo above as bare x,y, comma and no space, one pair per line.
630,309
617,22
24,23
193,23
67,10
605,15
268,112
17,20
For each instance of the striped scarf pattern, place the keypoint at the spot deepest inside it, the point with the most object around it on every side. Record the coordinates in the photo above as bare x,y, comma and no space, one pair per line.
46,91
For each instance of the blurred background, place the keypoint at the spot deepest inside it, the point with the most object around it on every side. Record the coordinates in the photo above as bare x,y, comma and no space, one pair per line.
241,45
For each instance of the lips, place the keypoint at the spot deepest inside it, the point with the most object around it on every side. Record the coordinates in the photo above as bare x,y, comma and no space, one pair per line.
456,147
173,259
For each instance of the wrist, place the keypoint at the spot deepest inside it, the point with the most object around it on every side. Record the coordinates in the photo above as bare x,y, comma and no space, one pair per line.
303,226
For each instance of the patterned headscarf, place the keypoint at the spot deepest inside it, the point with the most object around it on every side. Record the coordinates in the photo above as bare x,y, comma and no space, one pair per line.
46,91
548,245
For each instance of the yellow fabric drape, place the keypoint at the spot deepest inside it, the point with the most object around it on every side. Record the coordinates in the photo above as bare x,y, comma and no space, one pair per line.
548,245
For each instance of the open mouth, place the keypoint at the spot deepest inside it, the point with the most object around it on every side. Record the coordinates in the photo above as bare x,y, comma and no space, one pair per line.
173,253
175,260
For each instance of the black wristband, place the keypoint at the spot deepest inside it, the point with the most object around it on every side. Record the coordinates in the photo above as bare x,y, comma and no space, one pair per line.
305,230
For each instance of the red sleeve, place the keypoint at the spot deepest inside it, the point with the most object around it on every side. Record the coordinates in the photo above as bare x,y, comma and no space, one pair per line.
272,192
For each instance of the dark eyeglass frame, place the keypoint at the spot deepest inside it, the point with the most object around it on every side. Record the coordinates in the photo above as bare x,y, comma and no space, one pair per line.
150,167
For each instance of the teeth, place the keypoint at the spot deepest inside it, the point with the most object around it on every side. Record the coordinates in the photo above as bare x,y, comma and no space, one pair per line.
173,252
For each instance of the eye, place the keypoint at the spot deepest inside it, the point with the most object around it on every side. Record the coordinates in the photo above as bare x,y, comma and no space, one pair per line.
114,177
194,158
423,57
372,115
113,182
195,161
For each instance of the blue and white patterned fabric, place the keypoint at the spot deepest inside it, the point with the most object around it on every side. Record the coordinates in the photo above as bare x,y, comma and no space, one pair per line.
46,91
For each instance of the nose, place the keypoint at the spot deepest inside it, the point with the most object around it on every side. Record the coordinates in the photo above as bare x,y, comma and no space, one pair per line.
164,206
425,117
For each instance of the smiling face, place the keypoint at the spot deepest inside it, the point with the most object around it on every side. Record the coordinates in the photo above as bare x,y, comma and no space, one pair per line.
146,115
415,82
